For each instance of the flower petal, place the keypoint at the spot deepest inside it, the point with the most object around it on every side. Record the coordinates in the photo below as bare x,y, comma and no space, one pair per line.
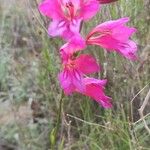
122,33
77,80
56,28
76,43
95,81
51,8
89,9
109,25
87,64
106,41
65,79
75,25
72,29
96,91
128,50
71,80
114,36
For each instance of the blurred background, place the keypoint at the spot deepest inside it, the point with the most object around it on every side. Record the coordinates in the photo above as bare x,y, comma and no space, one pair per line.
30,92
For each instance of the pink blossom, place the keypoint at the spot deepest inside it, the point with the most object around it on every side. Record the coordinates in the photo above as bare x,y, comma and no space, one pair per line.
114,36
94,88
67,15
71,78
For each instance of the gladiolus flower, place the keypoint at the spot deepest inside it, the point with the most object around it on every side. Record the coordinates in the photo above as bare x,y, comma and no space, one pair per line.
71,78
67,15
106,1
94,88
114,36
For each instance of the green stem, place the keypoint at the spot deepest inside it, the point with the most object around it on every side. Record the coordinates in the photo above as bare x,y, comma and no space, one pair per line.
59,111
54,132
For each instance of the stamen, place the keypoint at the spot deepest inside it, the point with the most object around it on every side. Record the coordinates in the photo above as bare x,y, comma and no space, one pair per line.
97,35
70,10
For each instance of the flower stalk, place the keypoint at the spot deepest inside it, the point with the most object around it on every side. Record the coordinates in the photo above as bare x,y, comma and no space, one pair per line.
55,130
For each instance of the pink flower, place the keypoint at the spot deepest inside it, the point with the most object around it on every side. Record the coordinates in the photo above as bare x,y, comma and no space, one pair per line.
94,88
106,1
114,36
67,15
71,78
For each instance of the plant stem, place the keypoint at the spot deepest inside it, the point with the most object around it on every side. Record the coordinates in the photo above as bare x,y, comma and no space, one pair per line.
59,111
54,132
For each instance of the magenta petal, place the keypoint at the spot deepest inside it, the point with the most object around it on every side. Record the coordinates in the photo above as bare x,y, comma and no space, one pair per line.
76,3
72,29
51,8
114,36
106,103
113,27
56,28
77,80
75,25
64,54
89,9
95,81
87,64
71,80
106,41
128,50
65,79
76,43
109,25
96,91
122,33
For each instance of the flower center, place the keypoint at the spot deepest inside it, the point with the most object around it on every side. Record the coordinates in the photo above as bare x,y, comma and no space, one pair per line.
70,64
69,11
97,35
